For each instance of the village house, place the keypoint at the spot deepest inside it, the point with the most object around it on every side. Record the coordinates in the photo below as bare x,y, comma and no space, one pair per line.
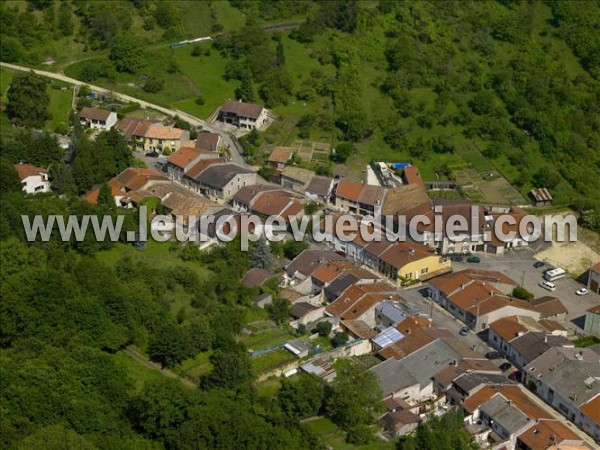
163,139
180,162
511,238
504,331
474,297
278,204
33,179
358,198
296,178
134,129
568,379
222,181
359,300
256,277
305,313
550,434
301,268
279,157
97,119
405,263
194,169
208,142
245,198
549,308
243,115
319,189
126,184
411,378
400,422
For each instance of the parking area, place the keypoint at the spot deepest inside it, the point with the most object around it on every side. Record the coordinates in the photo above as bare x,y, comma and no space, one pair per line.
518,265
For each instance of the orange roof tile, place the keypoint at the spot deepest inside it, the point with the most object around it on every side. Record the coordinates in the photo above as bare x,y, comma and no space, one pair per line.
197,168
357,299
592,409
325,273
546,432
162,132
402,253
117,190
508,328
28,170
183,157
350,190
596,267
413,176
136,177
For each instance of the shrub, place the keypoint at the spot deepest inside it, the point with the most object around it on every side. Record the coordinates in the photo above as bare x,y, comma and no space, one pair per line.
522,293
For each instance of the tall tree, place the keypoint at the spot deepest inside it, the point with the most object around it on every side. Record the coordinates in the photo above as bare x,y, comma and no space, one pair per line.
280,54
262,257
301,398
65,19
105,197
232,368
61,178
127,53
245,92
355,400
9,179
28,100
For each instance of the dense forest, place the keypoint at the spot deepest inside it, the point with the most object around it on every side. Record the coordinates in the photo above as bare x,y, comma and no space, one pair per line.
520,80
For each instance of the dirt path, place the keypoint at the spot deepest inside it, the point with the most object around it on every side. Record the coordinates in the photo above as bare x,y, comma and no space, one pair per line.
134,353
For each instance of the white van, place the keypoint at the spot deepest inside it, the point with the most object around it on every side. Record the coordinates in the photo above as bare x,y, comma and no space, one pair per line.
548,285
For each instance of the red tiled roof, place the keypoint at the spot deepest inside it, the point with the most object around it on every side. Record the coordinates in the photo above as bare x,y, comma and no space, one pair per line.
28,170
163,133
413,176
546,432
596,267
183,157
358,298
592,409
350,190
117,190
136,177
402,253
197,168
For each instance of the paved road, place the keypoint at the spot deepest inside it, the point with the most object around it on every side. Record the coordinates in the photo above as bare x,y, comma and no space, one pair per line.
228,139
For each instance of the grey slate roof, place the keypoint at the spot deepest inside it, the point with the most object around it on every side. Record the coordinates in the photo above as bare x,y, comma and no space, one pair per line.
219,175
320,186
417,368
300,309
573,373
504,414
307,261
339,285
470,381
533,344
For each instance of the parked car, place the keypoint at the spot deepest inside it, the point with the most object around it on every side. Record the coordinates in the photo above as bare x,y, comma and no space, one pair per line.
581,291
474,259
505,366
456,258
464,331
493,355
548,285
152,154
538,264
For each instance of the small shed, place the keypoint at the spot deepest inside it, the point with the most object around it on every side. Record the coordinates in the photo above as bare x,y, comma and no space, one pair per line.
541,197
263,300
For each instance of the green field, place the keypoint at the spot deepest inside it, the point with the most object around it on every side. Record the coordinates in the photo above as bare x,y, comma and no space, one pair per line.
331,435
139,373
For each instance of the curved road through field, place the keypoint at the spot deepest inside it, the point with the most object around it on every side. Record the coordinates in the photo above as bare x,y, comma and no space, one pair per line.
229,140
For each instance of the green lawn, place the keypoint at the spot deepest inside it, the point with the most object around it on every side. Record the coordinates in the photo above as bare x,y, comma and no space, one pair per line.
60,106
332,436
195,367
271,360
139,373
